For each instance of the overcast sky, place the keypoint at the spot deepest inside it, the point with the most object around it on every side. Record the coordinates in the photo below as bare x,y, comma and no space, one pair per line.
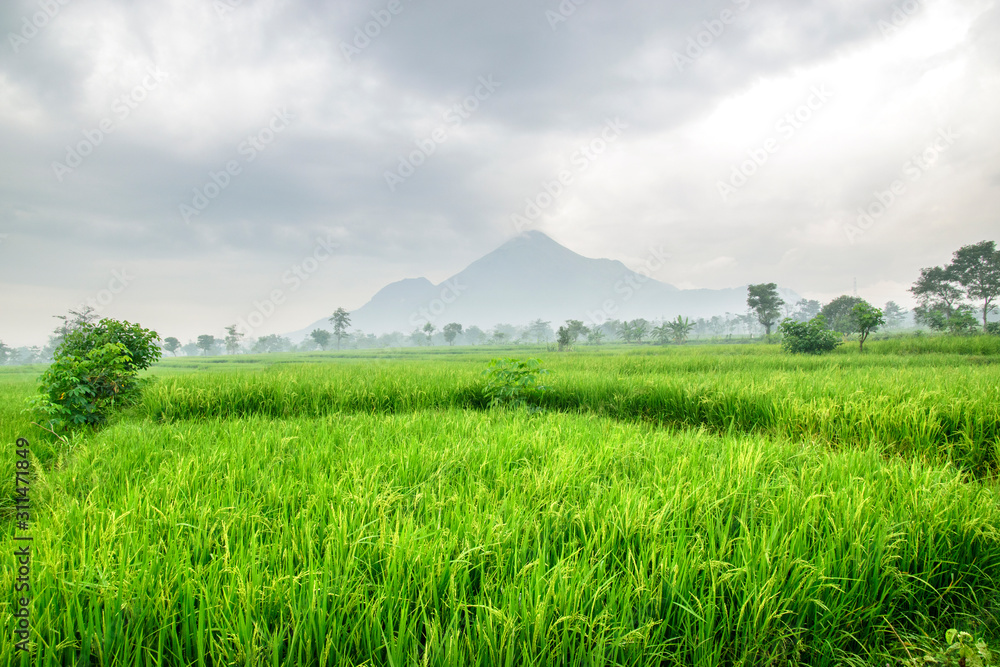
178,162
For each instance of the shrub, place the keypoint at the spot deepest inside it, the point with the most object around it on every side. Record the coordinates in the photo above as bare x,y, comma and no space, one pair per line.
93,370
993,328
962,651
512,381
812,337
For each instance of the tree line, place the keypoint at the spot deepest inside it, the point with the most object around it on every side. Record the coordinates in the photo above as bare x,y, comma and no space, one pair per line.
956,298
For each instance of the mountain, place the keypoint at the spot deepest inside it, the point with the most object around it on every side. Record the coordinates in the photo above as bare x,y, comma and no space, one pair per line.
531,277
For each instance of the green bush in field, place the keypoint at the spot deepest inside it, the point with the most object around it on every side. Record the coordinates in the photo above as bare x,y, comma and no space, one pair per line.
93,370
812,337
962,651
512,381
993,328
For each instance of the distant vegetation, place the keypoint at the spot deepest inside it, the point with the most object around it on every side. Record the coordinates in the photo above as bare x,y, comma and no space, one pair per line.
697,505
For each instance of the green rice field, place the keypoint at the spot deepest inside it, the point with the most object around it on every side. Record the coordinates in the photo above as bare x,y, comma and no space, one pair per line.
693,505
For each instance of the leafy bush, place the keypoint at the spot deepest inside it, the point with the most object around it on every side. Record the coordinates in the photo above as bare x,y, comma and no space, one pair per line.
962,651
812,337
511,381
94,369
993,328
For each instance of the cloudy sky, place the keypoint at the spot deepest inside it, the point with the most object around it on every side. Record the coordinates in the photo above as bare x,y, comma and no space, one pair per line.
180,163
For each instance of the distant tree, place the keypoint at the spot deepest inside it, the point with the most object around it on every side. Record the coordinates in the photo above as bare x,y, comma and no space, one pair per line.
576,328
206,342
498,337
963,322
939,296
805,310
640,328
190,349
363,340
171,345
977,269
894,315
867,319
340,319
625,332
839,315
633,331
271,343
429,332
812,337
679,329
764,301
418,337
394,339
5,353
661,333
474,335
595,336
540,331
321,337
452,331
563,338
233,338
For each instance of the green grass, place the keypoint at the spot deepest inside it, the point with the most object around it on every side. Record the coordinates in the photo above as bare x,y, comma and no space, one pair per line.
502,538
696,505
938,407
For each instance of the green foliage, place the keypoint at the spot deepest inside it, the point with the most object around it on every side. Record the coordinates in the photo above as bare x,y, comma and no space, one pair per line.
763,299
512,381
957,321
139,342
867,319
207,343
340,320
321,337
233,338
812,337
94,370
839,314
962,650
563,338
452,330
993,328
976,268
171,345
576,329
679,329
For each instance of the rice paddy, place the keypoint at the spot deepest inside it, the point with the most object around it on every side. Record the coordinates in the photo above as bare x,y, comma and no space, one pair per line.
714,505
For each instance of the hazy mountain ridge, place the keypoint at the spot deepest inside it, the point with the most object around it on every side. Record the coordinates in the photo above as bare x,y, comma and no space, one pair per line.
531,277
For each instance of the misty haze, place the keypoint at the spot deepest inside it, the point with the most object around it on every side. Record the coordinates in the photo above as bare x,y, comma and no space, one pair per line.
526,333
